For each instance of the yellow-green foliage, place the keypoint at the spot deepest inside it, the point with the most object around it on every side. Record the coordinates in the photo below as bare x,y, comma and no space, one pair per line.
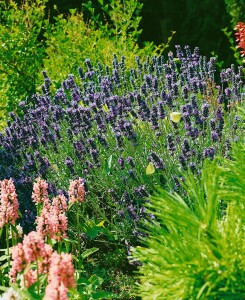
31,43
195,248
71,40
20,51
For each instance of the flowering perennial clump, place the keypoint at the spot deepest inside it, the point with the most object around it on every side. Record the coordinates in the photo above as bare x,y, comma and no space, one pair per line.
52,222
171,112
8,203
33,258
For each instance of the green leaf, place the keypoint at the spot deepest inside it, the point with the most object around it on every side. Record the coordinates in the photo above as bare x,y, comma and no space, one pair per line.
70,241
32,292
108,165
3,288
89,252
4,266
95,281
103,295
3,257
93,232
83,280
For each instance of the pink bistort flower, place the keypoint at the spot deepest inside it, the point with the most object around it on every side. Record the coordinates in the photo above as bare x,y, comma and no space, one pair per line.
76,191
33,250
8,202
30,277
33,246
44,264
18,261
61,277
60,203
43,222
40,191
53,222
57,224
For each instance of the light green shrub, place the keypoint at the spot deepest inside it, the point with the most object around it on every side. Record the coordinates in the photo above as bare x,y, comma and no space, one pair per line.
21,52
30,43
195,248
71,40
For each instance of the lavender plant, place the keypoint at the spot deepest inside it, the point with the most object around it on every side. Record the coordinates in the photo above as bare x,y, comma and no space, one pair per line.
111,124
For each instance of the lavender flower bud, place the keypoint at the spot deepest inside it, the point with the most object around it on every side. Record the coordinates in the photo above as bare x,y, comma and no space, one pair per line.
205,110
209,152
183,162
121,162
192,166
69,163
131,173
215,136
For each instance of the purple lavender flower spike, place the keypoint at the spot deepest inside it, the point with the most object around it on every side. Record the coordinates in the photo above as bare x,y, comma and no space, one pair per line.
209,152
121,162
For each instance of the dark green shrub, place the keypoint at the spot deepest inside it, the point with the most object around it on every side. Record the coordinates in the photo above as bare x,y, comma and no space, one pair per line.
236,9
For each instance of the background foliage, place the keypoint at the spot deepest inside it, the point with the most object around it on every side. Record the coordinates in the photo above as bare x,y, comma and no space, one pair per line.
197,23
236,9
33,40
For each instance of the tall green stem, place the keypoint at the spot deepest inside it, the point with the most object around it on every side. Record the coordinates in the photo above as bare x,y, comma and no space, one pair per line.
38,284
59,247
7,244
79,234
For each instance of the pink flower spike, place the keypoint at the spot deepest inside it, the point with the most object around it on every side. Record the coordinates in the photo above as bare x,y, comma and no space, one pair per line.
61,277
60,202
40,191
32,250
76,191
33,246
18,261
30,277
53,221
8,203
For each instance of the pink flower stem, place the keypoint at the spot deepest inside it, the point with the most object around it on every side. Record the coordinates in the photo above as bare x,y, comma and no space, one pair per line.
59,247
13,238
38,285
79,235
7,244
39,208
